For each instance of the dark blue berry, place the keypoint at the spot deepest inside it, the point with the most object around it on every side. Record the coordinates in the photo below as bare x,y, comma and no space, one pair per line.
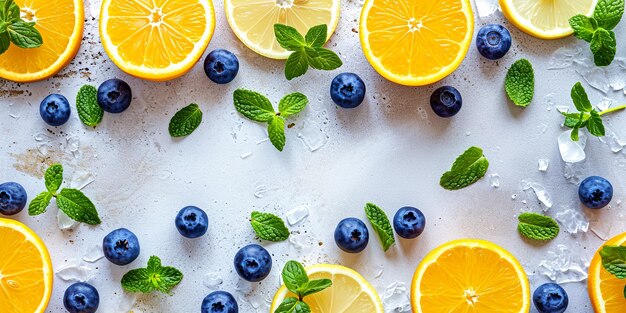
192,222
221,66
351,235
12,198
121,246
493,41
81,298
595,192
253,263
114,95
409,222
446,101
550,298
55,110
219,302
347,90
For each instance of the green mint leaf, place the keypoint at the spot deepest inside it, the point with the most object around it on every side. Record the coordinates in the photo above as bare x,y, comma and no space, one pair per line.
314,286
292,104
608,13
325,60
467,169
624,292
583,27
537,226
297,64
316,36
594,125
293,305
294,276
12,11
5,42
185,121
3,25
603,46
253,105
381,225
310,53
24,35
571,119
276,132
288,37
269,226
77,206
520,83
574,134
40,203
153,277
54,177
614,260
89,112
167,278
137,280
580,98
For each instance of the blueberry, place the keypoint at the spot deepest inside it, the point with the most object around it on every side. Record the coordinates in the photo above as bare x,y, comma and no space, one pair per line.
253,263
347,90
550,298
55,110
192,222
221,66
12,198
493,41
121,246
351,235
219,302
446,101
595,192
409,222
81,298
114,95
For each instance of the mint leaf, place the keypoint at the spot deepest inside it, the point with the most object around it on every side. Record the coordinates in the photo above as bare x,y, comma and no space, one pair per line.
40,203
154,277
137,280
537,226
306,51
571,119
89,112
325,60
381,225
603,46
614,260
574,134
24,35
316,36
580,98
77,206
292,305
54,177
294,276
608,13
5,42
594,125
297,64
12,11
288,37
314,286
520,83
276,132
292,104
583,27
467,169
253,105
185,121
269,226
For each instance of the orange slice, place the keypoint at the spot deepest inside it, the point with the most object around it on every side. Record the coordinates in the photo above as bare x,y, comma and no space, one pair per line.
60,23
416,42
605,290
25,269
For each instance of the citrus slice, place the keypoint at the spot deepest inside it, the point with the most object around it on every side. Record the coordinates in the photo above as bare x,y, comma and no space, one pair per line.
253,21
470,275
350,292
545,19
156,39
60,23
605,290
416,42
25,269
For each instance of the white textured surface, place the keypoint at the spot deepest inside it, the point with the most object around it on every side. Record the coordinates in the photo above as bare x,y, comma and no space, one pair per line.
390,151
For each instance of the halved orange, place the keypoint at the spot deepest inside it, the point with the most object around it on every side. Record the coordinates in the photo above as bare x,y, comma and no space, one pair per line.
156,39
60,23
470,275
416,42
25,269
605,290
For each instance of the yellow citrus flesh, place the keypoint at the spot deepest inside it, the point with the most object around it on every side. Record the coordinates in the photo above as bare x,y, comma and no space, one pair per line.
253,21
156,39
25,269
416,42
60,23
350,292
605,290
470,276
546,19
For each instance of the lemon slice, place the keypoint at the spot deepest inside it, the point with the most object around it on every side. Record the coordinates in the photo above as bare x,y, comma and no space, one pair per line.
605,290
545,19
253,21
350,292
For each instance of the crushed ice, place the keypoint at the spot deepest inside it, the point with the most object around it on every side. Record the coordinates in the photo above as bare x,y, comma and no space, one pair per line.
543,164
572,221
572,151
564,266
494,180
213,281
74,271
259,191
297,215
396,298
65,222
93,254
542,194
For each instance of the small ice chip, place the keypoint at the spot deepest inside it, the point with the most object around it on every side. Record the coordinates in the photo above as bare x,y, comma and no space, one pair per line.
572,151
543,164
297,215
494,179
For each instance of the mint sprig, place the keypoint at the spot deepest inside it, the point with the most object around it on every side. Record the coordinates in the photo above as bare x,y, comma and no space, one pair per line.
467,169
71,201
307,50
614,261
89,111
185,121
269,226
538,227
598,29
520,83
15,30
257,107
587,116
297,281
379,220
153,277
